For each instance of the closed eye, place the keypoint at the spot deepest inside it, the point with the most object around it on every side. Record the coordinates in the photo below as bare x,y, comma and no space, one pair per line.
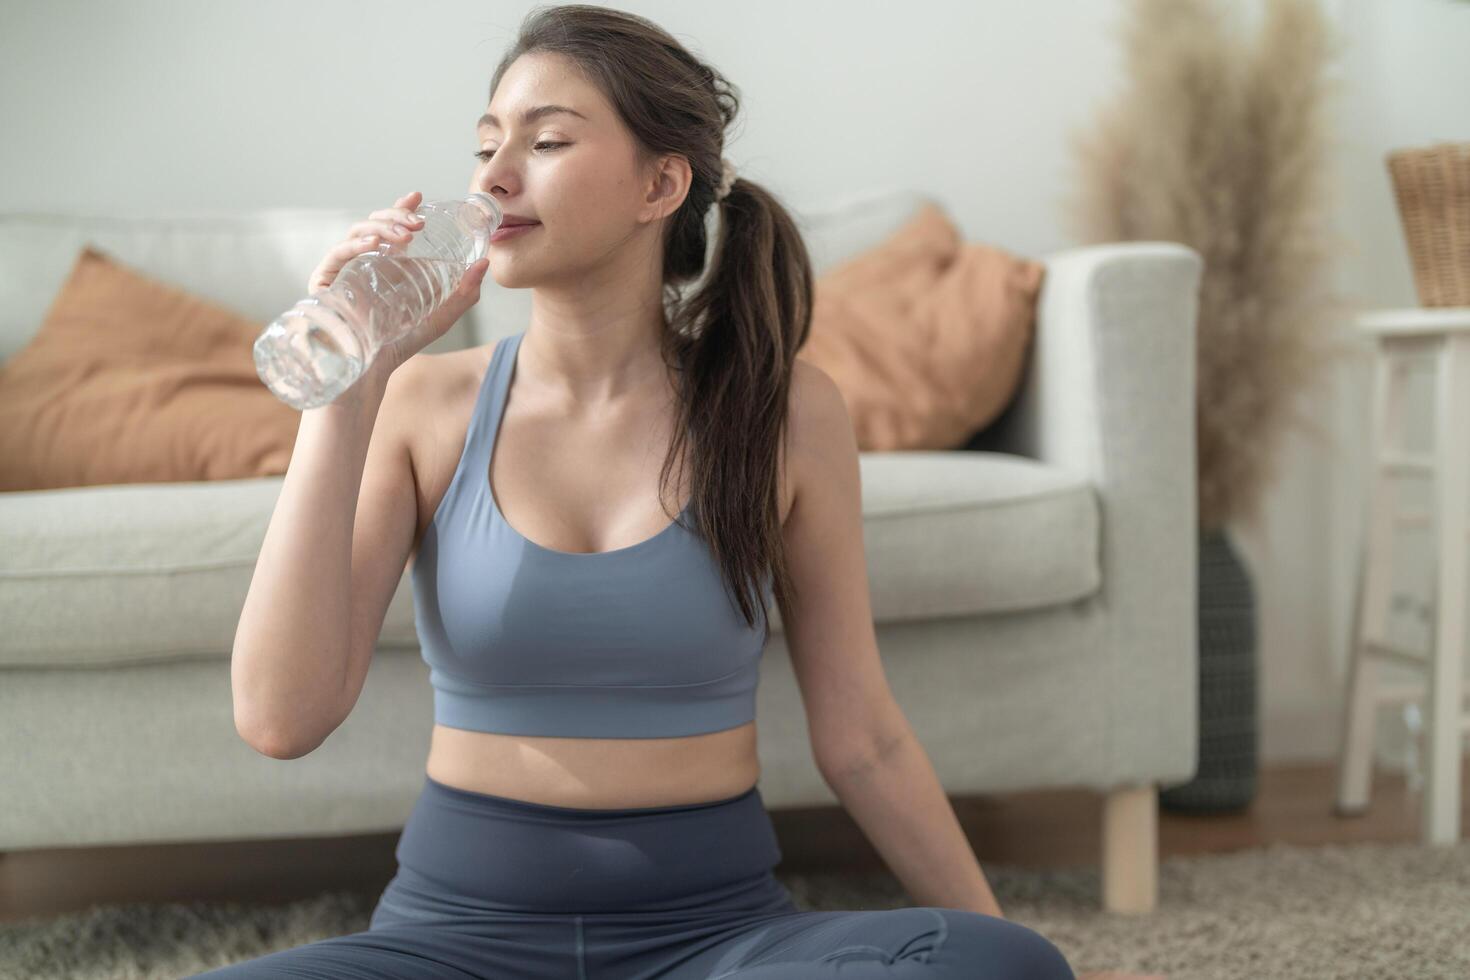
483,155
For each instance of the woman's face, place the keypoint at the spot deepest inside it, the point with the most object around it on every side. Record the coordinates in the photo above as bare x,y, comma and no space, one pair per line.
575,173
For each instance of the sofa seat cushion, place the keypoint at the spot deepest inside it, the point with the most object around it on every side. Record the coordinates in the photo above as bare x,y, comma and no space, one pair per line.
138,573
961,533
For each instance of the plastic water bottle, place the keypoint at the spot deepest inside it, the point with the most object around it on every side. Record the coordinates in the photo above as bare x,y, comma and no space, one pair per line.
319,347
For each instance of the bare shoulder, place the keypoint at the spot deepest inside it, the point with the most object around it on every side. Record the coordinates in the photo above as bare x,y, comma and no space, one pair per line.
821,435
407,402
432,404
815,397
431,387
819,417
442,371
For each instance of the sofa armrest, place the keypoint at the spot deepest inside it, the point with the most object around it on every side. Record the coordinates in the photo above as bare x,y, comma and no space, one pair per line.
1109,394
1111,367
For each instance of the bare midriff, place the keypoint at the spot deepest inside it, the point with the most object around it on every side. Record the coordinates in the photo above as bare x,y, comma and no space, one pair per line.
595,773
600,773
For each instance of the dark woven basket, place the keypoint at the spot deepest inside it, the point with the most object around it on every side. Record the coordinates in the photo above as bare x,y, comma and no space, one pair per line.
1226,780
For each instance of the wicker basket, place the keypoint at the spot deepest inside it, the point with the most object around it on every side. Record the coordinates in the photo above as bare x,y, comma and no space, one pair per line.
1431,186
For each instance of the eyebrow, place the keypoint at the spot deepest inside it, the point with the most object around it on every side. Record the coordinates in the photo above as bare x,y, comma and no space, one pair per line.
530,115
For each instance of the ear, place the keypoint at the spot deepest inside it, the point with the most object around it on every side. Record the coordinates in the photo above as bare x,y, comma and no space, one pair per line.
667,187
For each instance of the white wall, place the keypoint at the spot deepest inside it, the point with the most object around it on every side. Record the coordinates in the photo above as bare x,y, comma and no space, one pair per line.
1405,74
162,107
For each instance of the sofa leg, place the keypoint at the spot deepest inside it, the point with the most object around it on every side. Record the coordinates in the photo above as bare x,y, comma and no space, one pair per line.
1130,850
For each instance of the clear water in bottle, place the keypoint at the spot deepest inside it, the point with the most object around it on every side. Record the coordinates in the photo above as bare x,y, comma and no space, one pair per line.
317,349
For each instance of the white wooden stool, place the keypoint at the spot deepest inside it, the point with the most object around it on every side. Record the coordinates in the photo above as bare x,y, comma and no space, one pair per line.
1442,336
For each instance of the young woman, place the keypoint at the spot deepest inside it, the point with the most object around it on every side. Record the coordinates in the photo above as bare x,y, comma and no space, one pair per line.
590,807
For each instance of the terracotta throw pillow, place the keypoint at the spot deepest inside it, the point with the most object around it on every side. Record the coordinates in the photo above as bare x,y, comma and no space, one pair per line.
925,335
131,380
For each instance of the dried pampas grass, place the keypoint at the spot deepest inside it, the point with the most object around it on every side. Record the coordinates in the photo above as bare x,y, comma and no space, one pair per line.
1219,141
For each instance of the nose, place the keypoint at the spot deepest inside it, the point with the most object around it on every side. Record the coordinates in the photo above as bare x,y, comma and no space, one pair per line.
496,177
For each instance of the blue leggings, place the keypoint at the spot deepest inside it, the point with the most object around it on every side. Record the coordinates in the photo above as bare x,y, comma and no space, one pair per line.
491,887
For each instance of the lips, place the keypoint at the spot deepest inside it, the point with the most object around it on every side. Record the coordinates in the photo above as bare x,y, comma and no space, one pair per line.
514,231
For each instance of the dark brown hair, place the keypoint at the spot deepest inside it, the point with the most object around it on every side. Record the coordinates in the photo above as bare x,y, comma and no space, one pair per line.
731,342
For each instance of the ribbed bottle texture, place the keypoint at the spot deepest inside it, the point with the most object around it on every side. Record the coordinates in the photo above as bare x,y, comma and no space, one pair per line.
318,348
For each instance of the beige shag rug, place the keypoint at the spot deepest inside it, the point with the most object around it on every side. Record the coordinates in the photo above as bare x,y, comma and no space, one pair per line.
1335,911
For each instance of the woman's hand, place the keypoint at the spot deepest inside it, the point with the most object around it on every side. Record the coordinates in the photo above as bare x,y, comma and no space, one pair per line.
396,225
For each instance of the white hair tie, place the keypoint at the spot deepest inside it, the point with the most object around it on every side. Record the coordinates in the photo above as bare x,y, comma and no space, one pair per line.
727,179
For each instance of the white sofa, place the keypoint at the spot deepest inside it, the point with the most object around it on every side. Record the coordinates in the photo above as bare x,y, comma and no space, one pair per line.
1034,597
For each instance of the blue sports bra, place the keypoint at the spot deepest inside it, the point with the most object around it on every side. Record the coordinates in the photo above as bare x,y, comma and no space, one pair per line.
638,642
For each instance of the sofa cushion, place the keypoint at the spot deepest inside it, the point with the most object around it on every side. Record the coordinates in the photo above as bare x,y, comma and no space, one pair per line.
137,573
131,380
925,335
